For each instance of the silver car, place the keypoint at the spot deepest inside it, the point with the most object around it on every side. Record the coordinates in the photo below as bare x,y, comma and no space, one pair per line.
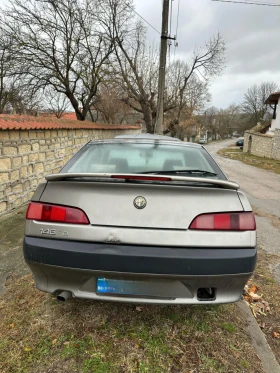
144,218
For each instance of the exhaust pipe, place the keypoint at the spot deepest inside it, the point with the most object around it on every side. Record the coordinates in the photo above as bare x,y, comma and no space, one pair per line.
64,295
205,294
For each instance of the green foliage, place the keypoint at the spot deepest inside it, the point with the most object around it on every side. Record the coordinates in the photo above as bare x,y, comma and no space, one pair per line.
229,327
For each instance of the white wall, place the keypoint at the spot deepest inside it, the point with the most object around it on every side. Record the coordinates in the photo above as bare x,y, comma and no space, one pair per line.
275,123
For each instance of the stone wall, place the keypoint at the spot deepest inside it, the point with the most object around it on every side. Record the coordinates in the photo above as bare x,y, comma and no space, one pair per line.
262,145
276,144
26,156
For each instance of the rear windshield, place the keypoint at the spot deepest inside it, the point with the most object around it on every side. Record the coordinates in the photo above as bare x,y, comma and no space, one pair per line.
139,158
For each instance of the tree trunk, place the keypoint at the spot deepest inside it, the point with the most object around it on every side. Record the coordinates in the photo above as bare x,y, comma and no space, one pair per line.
75,104
147,118
91,116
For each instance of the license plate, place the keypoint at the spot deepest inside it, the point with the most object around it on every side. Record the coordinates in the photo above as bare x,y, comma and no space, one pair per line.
163,289
125,287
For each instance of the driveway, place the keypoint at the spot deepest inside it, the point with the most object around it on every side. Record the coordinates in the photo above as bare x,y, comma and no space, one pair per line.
11,256
263,190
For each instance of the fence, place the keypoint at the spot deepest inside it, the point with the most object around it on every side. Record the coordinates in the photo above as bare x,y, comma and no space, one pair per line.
29,150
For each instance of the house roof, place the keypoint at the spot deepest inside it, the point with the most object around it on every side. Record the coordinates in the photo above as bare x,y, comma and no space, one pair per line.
273,98
25,122
260,127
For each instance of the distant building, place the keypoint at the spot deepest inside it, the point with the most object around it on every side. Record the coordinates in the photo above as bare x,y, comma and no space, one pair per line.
264,139
274,101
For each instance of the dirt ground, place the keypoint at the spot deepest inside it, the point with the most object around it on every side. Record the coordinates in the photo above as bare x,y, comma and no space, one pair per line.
38,334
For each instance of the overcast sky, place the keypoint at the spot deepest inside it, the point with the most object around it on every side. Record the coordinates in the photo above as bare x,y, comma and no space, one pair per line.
251,33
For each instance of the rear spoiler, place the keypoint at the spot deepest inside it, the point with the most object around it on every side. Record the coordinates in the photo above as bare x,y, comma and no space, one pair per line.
144,177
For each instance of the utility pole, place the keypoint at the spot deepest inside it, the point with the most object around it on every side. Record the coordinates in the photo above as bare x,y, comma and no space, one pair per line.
162,65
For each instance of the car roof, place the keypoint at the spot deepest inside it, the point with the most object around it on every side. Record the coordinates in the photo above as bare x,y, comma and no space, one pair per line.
147,136
164,140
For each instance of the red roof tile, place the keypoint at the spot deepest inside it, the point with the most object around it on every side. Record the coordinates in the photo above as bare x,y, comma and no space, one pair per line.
71,116
25,122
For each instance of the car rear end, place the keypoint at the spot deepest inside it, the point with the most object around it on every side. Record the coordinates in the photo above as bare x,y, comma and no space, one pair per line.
139,237
240,141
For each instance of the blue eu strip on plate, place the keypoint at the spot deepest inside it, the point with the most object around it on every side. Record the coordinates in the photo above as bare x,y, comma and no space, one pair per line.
163,289
104,285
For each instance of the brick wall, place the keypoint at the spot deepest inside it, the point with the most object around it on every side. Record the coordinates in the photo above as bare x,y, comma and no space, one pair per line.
26,156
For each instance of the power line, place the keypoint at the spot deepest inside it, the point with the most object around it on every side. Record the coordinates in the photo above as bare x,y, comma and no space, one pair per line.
170,30
247,3
175,42
262,1
201,75
170,27
141,17
265,2
178,12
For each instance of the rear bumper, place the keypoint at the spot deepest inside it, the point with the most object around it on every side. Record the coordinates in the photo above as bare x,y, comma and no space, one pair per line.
140,259
74,266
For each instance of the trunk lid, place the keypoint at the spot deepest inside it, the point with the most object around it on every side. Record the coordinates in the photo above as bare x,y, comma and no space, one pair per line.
168,206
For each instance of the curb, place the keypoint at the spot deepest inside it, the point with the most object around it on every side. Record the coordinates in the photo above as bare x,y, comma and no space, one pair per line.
269,362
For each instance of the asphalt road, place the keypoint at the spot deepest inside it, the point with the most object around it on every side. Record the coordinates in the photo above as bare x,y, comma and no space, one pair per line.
263,191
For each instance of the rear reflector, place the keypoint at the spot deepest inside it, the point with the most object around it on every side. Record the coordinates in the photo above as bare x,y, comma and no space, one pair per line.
233,221
144,178
55,213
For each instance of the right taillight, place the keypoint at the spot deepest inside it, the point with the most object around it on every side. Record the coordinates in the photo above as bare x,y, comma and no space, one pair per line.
228,221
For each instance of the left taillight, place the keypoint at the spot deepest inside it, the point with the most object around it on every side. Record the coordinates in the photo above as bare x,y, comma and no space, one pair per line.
229,221
55,213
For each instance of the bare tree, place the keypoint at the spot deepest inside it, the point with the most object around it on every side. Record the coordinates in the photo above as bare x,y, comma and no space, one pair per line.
56,103
196,97
222,122
254,101
109,104
15,96
230,120
8,81
61,44
137,64
207,61
24,100
210,122
4,67
139,68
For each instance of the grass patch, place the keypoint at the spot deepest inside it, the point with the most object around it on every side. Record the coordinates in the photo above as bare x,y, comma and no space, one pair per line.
11,229
232,149
270,289
40,335
97,365
252,160
229,327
